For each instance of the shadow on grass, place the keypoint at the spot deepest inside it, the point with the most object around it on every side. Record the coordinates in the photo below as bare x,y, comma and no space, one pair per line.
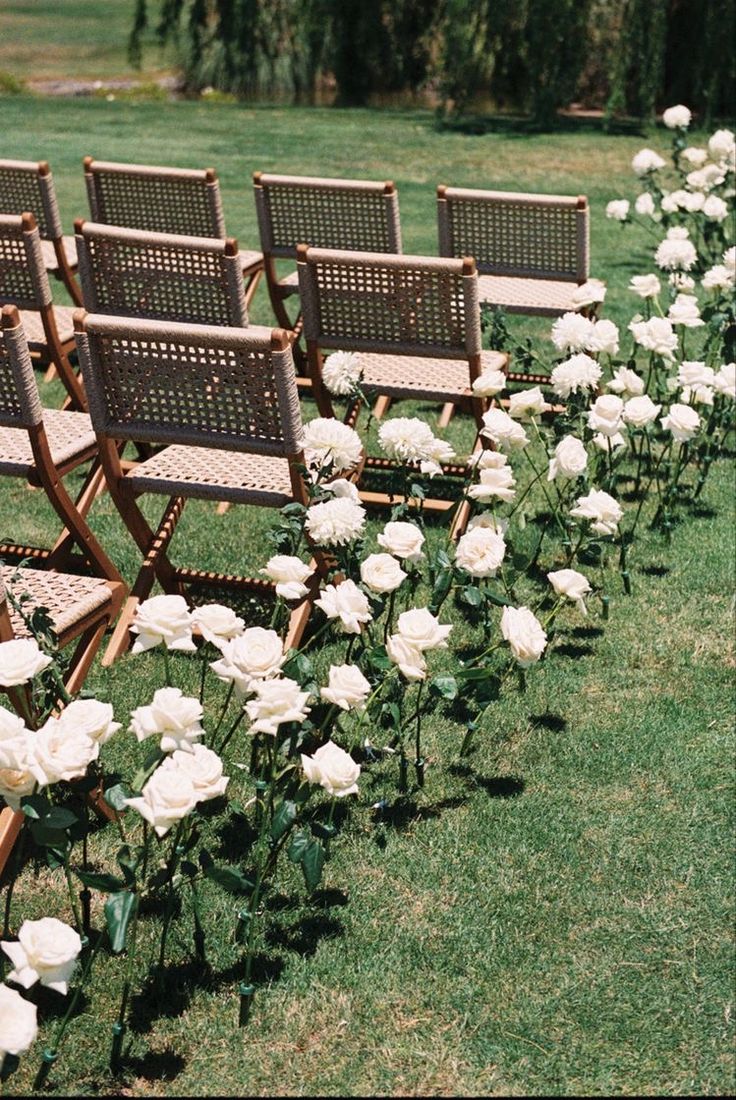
569,649
495,786
157,1065
555,723
521,126
405,811
655,570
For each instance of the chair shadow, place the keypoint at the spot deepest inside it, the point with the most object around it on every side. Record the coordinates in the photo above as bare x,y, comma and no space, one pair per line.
495,786
156,1065
555,723
569,649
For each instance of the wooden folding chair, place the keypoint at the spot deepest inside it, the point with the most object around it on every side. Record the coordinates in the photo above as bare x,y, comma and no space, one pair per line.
42,446
358,215
25,284
80,609
131,273
29,185
180,201
225,403
413,319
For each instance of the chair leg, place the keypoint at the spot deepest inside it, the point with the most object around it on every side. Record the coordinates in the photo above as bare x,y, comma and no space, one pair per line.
251,285
448,411
11,823
84,655
381,407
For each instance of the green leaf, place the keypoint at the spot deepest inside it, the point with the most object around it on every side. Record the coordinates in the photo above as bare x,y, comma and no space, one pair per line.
127,865
229,878
283,818
59,818
48,838
298,846
473,673
115,796
379,659
299,668
498,598
101,881
471,595
417,490
446,686
35,806
313,862
441,588
119,909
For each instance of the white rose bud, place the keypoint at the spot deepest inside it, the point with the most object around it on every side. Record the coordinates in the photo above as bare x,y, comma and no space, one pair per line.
523,631
341,372
13,737
503,430
618,210
175,716
381,573
480,552
421,629
46,952
495,481
90,717
570,458
58,751
527,403
289,574
347,603
203,767
333,769
489,383
644,205
682,421
403,540
163,620
646,286
571,584
257,654
168,797
217,623
347,687
604,338
18,1028
626,383
677,118
328,442
603,512
725,381
605,414
276,702
589,293
640,411
20,661
407,657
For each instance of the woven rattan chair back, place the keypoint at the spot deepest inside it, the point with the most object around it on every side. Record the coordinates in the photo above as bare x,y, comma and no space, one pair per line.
530,236
193,385
131,273
29,185
405,305
156,199
23,279
20,404
358,215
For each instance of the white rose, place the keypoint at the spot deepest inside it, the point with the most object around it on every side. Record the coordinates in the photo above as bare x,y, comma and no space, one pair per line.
90,717
571,584
681,282
656,335
168,796
403,540
682,421
603,512
675,253
524,633
495,482
715,209
20,661
480,552
570,459
695,156
528,403
217,623
572,332
646,286
341,372
18,1028
618,210
486,519
347,603
677,118
578,373
605,414
333,769
342,487
13,737
163,619
705,178
347,687
608,443
203,767
485,459
256,655
289,574
16,778
721,145
729,259
407,657
695,374
646,160
684,311
175,716
276,702
440,451
697,395
328,442
58,751
381,573
421,629
644,205
489,383
626,383
725,381
503,430
718,278
406,439
46,951
604,338
640,411
335,522
589,293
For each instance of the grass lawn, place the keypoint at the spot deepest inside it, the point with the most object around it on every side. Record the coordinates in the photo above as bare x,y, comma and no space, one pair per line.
552,915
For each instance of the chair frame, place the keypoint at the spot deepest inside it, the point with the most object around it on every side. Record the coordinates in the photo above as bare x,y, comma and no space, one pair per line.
47,215
153,543
198,189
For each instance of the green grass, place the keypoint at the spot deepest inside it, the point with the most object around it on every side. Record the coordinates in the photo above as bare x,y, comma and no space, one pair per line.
553,915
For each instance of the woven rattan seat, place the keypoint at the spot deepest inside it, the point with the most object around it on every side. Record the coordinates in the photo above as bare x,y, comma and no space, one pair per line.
29,186
531,250
69,598
69,434
33,325
209,474
422,378
250,259
540,296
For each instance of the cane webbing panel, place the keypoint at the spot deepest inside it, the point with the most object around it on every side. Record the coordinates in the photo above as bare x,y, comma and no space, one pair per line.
23,278
249,259
49,255
356,215
33,325
20,405
197,385
547,297
189,279
421,377
207,474
68,598
68,433
405,304
525,235
23,188
161,200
